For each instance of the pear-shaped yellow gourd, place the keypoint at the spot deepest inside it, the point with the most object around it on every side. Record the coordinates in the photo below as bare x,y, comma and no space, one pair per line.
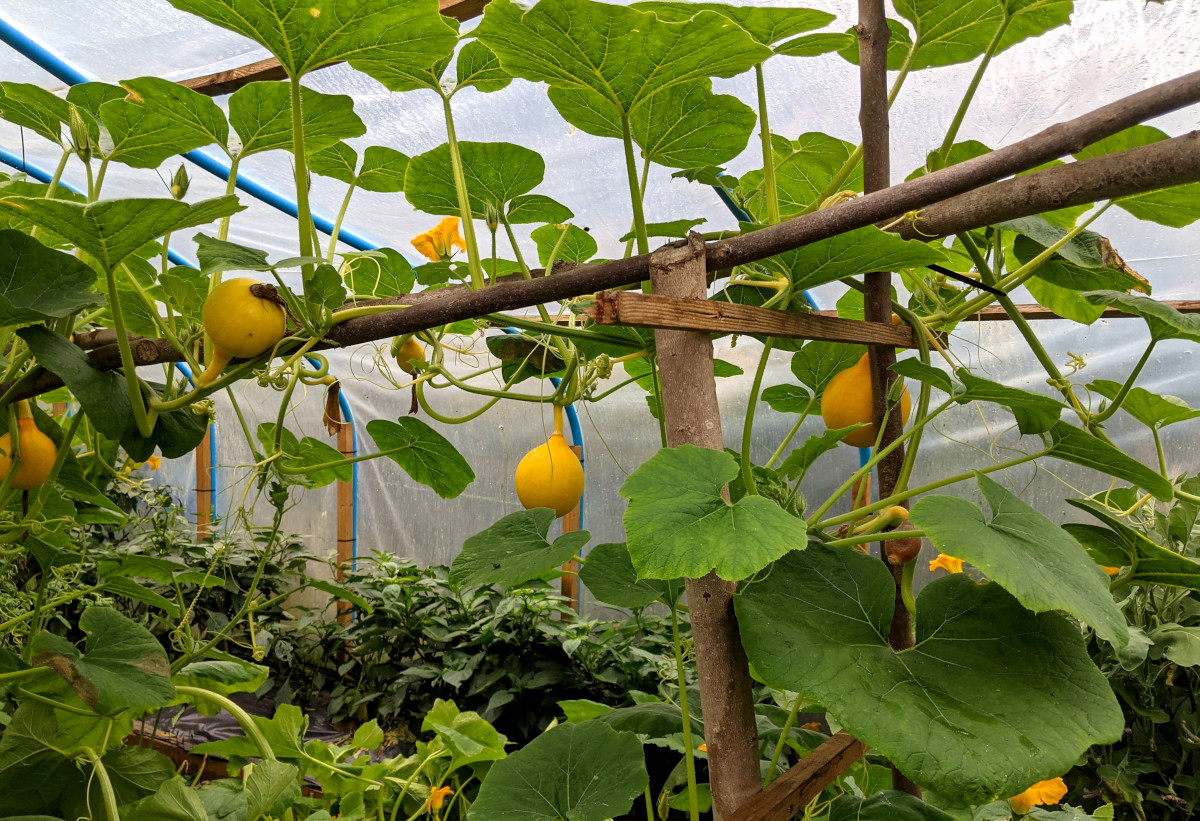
240,324
550,475
36,455
849,400
408,352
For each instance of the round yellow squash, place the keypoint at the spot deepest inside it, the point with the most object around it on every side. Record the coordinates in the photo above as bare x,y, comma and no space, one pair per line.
35,457
550,475
849,400
240,324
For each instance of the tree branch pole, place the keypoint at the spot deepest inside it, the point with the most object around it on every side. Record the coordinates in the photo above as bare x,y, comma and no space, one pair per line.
689,406
1170,162
873,34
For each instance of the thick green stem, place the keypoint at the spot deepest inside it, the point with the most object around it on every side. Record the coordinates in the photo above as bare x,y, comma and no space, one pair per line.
791,433
94,193
1125,388
452,420
748,424
144,418
300,161
764,129
874,536
243,718
109,795
464,205
52,187
635,194
642,190
688,744
223,226
956,123
1162,456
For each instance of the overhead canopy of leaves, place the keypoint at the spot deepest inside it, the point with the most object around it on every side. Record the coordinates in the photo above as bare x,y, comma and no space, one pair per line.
495,172
261,115
949,712
948,31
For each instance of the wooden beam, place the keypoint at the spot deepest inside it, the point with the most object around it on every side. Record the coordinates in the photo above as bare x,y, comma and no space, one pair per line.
995,313
655,311
569,583
229,81
788,795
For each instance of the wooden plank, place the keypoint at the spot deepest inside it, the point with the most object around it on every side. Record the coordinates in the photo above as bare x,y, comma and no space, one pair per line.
204,488
345,503
995,313
570,578
669,313
788,795
227,82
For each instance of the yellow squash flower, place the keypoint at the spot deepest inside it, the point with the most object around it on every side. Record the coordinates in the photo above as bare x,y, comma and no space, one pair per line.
1043,792
1112,571
154,463
947,563
438,244
815,726
437,797
703,748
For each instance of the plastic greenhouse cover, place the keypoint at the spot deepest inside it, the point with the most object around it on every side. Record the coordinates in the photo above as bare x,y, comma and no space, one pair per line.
1111,49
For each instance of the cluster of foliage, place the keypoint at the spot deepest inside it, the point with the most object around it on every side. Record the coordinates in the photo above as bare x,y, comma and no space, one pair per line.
999,695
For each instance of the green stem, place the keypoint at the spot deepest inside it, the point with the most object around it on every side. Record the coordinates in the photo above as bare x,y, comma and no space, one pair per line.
144,419
223,226
1162,457
956,123
782,742
649,804
874,536
337,225
906,585
512,239
452,420
656,390
639,218
764,129
300,161
642,193
111,810
565,331
918,429
791,433
688,744
249,727
1125,388
52,188
95,191
464,205
748,424
941,483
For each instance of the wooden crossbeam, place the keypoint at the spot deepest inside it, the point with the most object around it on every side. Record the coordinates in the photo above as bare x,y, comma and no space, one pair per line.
653,311
227,82
788,795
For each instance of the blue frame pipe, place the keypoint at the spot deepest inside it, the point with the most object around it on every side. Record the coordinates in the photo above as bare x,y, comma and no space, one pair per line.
37,53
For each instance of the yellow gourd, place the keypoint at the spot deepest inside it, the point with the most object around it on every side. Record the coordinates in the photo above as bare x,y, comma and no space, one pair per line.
550,475
35,457
240,324
408,352
849,400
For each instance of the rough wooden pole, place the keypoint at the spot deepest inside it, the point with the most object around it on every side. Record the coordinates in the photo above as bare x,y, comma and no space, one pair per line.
345,503
570,579
873,37
689,398
204,486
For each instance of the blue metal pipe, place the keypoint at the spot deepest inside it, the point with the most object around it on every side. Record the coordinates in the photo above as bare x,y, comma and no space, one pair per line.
60,68
42,175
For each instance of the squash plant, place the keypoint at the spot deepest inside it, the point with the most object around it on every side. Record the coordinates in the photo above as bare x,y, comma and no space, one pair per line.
998,693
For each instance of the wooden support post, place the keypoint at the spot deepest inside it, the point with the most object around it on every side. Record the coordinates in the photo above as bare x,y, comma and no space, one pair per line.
204,486
689,398
788,795
873,34
345,506
58,408
570,579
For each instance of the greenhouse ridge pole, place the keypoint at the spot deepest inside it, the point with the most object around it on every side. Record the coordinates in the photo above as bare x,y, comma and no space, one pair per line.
693,417
873,35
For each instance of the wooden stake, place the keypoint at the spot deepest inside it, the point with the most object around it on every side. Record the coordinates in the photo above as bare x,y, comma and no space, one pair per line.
689,399
345,502
570,579
788,795
204,488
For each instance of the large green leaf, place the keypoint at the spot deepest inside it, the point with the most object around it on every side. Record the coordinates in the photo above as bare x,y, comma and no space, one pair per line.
575,772
1026,553
515,549
609,575
186,109
1074,445
619,55
174,801
1064,302
576,246
1119,545
111,230
990,699
122,665
788,399
813,45
298,456
378,274
35,108
380,37
818,362
530,208
479,67
767,26
798,462
803,168
1164,321
889,805
146,137
854,252
1151,409
1034,412
103,394
469,738
952,31
267,783
36,751
383,170
261,114
1067,274
495,174
690,127
39,284
223,677
133,772
677,523
1177,206
426,455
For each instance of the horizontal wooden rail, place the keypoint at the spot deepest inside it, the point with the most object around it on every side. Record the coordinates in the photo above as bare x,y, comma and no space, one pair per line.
714,316
229,81
788,795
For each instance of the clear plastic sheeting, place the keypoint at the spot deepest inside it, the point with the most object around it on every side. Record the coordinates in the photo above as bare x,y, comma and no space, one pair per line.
1111,50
